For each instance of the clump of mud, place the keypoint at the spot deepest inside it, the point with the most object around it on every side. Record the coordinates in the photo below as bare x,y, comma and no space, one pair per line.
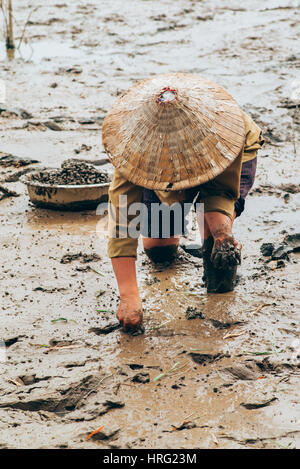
290,243
192,313
72,172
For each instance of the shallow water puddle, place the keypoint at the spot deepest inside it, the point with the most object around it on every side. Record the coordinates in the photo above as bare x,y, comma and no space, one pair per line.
41,50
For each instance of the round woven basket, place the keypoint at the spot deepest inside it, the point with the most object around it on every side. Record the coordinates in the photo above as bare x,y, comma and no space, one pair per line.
173,131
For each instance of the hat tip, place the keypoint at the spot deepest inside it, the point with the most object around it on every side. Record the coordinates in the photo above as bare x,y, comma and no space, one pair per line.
167,95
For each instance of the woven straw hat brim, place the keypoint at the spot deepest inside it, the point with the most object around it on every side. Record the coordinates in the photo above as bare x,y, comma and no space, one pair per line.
173,144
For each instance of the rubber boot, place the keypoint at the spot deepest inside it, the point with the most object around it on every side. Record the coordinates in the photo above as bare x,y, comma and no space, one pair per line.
216,280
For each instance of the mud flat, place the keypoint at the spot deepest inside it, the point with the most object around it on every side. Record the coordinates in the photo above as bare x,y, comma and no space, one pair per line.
228,364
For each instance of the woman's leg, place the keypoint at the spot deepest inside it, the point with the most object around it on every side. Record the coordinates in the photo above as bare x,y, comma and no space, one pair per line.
206,233
158,249
221,252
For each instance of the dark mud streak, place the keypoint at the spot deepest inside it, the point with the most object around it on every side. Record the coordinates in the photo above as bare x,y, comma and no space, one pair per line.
66,401
258,405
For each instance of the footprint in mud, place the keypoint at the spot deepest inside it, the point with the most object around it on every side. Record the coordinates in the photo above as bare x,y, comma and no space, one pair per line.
243,371
62,401
53,402
278,364
252,370
204,358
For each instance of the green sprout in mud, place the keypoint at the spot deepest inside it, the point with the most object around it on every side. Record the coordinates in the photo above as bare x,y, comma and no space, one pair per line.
105,311
174,369
54,321
288,446
274,352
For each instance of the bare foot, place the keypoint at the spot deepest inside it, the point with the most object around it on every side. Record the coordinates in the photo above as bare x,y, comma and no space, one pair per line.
226,252
130,314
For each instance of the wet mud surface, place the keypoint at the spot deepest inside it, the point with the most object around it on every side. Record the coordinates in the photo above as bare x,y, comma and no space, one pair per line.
210,370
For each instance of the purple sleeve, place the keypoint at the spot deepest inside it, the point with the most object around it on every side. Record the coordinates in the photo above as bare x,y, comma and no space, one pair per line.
247,176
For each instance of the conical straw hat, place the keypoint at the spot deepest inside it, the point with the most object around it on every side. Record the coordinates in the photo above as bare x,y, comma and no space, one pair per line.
173,131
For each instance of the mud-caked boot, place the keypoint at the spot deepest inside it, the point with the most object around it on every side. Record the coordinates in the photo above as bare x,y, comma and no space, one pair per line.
218,279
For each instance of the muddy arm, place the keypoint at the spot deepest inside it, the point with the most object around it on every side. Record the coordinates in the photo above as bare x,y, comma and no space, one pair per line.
130,308
122,251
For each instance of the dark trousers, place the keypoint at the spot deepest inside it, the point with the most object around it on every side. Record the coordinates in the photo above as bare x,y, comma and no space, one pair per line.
247,180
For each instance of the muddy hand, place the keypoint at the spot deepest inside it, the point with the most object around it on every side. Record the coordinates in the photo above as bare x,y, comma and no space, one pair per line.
130,315
226,252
